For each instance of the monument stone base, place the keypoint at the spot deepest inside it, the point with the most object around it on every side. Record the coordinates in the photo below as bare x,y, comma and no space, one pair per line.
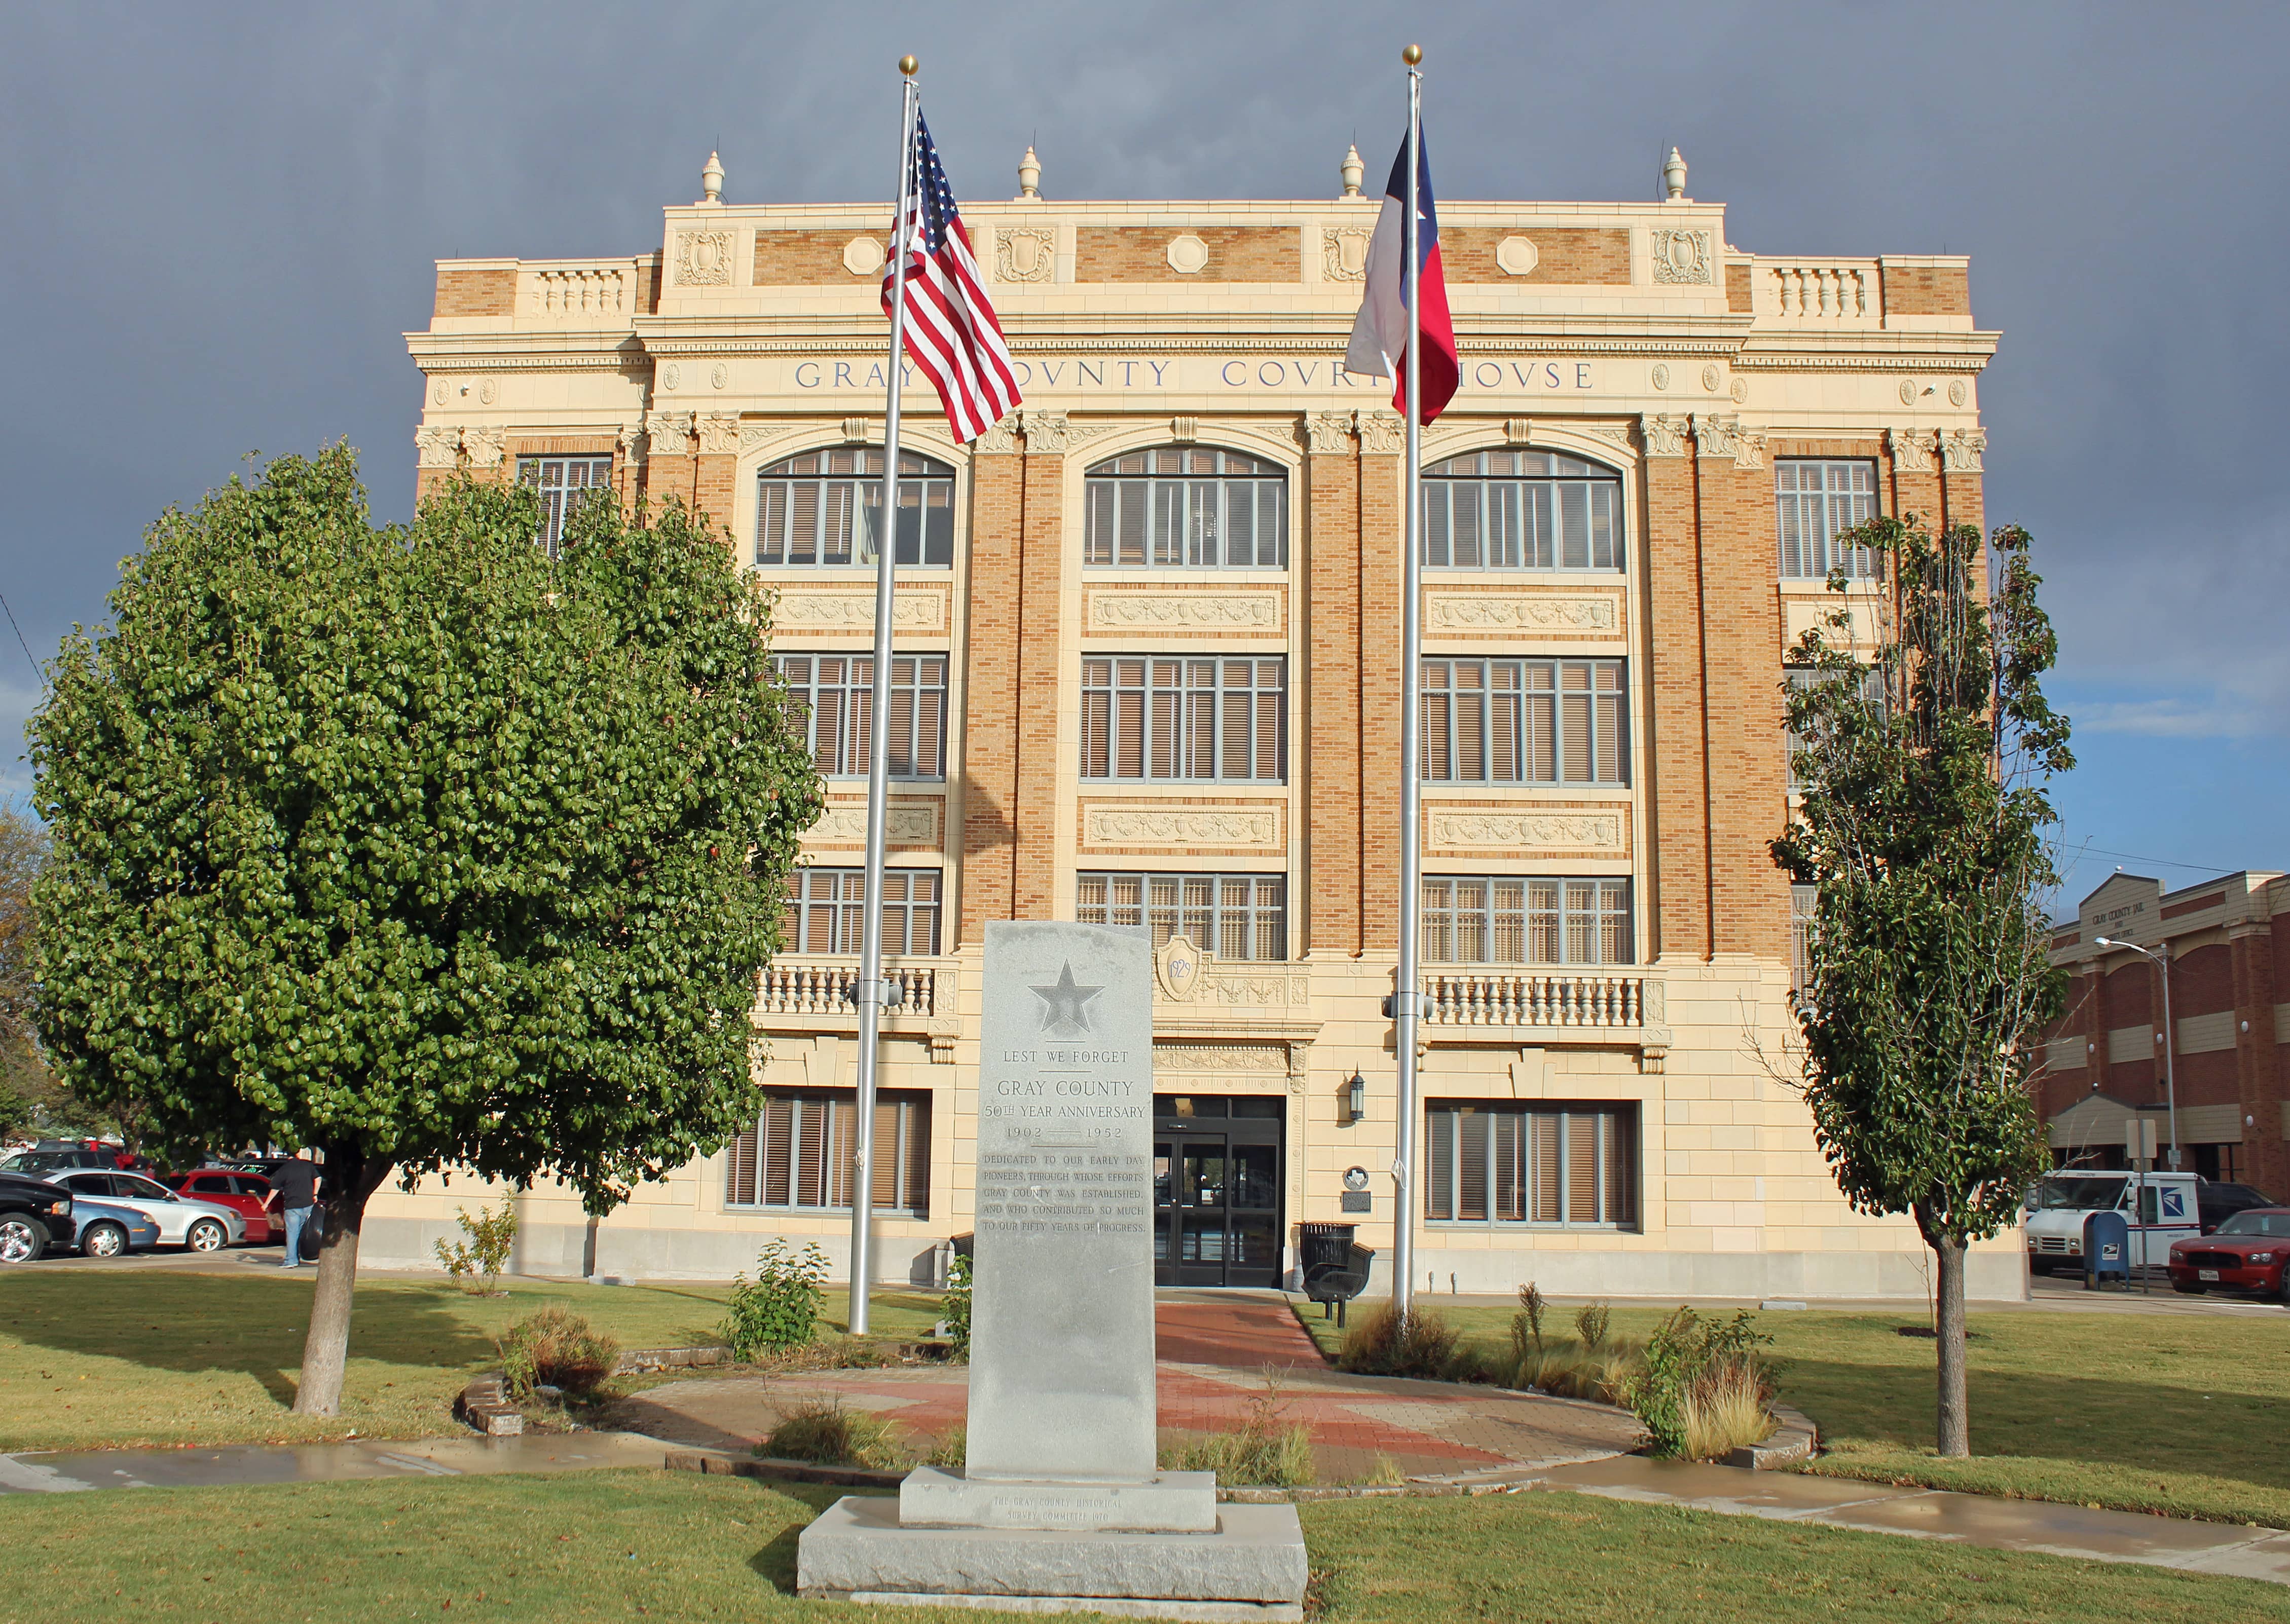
1173,1503
1252,1567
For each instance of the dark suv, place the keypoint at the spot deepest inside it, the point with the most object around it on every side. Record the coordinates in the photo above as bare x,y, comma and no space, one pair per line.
40,1160
2214,1204
34,1216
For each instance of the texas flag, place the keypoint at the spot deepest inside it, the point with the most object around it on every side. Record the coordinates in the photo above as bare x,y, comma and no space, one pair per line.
1379,346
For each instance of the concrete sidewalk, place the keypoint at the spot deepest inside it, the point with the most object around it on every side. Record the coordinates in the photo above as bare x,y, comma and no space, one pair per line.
235,1465
1934,1514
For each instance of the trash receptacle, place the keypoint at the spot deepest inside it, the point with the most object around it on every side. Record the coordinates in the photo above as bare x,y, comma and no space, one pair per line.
1334,1266
2106,1249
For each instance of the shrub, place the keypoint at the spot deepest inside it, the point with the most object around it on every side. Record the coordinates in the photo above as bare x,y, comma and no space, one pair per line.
1527,1324
555,1348
1266,1449
476,1265
1724,1409
1590,1324
956,1312
780,1307
952,1450
825,1434
1683,1357
1386,1342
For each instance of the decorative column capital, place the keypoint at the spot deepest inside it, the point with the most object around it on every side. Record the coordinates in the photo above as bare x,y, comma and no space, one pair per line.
671,433
1328,433
719,433
1961,450
1382,433
1000,438
630,442
485,443
438,446
1664,434
1716,436
1749,448
1046,431
1911,450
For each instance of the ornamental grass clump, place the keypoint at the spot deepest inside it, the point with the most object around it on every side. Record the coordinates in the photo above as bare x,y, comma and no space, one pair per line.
555,1348
1267,1450
1725,1410
1695,1372
1385,1341
824,1433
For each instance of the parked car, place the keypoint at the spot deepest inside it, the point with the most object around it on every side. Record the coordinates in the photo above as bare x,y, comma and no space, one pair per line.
200,1225
34,1216
2250,1253
243,1192
42,1160
2214,1204
103,1229
2057,1206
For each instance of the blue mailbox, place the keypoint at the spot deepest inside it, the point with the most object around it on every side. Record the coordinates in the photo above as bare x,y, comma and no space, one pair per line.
2106,1248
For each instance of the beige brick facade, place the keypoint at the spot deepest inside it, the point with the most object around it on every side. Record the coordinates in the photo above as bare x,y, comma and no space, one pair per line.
1631,337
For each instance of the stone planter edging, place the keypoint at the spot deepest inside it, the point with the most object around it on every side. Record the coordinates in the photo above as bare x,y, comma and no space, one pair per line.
1795,1439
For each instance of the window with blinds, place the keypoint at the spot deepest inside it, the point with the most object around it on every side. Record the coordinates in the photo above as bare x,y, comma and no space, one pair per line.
1521,510
1524,722
798,1156
1172,718
1872,694
564,483
1503,919
1186,507
827,910
832,697
1233,916
1565,1166
824,510
1818,499
1804,903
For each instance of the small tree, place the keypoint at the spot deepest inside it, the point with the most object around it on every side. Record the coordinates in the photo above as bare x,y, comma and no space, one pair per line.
417,846
1923,829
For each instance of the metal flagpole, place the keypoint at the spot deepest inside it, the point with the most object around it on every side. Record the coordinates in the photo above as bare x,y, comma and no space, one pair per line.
1407,1002
870,990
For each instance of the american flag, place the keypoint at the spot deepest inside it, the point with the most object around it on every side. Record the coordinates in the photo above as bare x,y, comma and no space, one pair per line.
951,332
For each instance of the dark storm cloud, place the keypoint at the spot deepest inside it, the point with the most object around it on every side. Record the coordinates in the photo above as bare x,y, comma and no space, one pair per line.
221,221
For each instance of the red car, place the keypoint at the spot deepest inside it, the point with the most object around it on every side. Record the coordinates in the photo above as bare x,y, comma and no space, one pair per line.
241,1192
2250,1251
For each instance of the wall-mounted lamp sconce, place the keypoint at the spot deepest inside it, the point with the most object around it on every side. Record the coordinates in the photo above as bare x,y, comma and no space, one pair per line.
1357,1097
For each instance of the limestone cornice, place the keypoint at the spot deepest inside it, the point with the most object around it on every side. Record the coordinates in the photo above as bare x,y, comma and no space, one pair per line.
1769,351
467,352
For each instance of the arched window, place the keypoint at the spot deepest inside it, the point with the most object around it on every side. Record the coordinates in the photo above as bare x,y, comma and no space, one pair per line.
823,510
1521,510
1187,507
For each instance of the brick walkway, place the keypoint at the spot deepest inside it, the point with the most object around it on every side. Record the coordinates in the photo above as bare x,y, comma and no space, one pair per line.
1215,1358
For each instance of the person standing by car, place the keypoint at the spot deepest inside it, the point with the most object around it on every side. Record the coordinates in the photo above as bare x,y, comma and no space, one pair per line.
293,1190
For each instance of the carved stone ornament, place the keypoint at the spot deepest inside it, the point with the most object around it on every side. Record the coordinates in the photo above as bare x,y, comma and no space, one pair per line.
1188,255
1518,430
854,431
1045,431
439,390
1328,433
703,259
485,444
1147,610
1515,611
854,610
905,823
1961,450
1526,831
1682,256
719,433
1517,256
1614,434
1749,448
1911,449
1665,434
488,390
1660,375
438,446
754,436
1025,254
718,375
1184,430
863,256
1908,392
1709,378
1181,828
1382,433
999,439
1268,1058
671,433
1958,392
1343,253
1177,967
1740,391
671,376
1715,435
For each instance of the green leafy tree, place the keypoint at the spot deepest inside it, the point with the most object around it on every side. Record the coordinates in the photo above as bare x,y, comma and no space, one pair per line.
415,846
1923,829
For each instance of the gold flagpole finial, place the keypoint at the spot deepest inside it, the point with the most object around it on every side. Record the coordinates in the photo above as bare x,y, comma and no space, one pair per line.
907,65
1411,55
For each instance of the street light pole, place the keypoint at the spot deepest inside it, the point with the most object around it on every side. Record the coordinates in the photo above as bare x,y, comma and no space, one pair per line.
2162,964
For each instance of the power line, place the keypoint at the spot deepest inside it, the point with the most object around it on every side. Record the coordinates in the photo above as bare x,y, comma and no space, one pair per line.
20,643
2165,861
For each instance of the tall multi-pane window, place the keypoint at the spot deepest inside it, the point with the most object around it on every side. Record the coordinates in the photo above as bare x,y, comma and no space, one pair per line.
824,510
1804,903
1148,716
1872,694
1233,916
827,910
1521,510
1570,1166
564,483
1818,498
1523,722
1505,919
1187,507
831,697
798,1155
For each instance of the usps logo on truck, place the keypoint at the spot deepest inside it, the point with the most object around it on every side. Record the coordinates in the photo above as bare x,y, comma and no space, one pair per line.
2174,1202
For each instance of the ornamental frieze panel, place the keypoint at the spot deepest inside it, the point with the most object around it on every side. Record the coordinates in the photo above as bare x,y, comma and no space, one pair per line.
913,824
851,609
1484,611
1252,612
1258,827
1466,830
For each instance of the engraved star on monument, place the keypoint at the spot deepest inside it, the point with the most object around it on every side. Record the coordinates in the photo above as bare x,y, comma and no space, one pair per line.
1064,1001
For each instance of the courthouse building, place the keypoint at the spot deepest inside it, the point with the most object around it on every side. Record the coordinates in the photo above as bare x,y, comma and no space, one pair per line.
1147,673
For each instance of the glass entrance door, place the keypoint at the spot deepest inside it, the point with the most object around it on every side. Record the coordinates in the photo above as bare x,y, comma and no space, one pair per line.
1216,1179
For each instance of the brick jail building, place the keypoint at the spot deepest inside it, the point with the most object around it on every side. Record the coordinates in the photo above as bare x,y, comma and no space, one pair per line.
1147,674
2227,944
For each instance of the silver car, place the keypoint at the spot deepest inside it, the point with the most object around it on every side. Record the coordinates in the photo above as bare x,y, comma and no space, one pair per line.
200,1225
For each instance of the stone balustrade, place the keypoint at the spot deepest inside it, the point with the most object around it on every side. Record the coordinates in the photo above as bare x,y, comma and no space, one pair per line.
1535,999
577,293
1823,292
824,987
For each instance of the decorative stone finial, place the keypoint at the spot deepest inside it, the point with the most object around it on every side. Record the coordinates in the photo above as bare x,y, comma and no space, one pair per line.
1030,176
711,180
1673,177
1352,169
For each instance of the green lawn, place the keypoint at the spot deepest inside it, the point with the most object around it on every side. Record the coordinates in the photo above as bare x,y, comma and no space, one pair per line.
622,1545
2180,1414
91,1359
